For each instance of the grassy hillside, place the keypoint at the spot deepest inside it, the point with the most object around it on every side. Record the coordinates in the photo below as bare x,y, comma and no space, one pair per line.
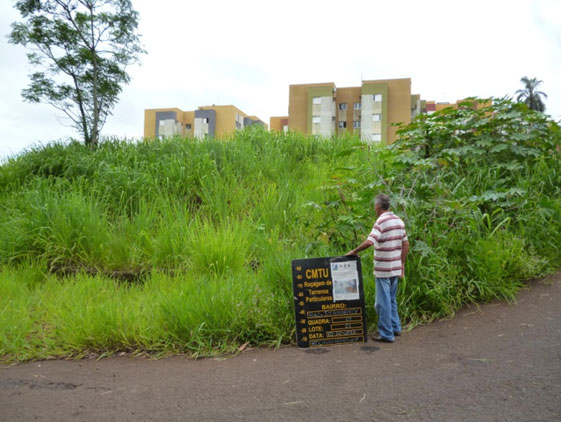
184,246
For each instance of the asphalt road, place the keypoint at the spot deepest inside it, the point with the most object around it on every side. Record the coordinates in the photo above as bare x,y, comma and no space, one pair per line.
496,362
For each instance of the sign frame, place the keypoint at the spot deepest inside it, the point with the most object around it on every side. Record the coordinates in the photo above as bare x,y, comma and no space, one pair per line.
329,303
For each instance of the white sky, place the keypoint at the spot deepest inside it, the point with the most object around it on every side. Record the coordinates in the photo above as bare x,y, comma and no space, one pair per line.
247,52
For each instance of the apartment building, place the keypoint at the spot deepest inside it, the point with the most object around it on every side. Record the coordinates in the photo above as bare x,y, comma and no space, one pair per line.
278,123
369,110
208,121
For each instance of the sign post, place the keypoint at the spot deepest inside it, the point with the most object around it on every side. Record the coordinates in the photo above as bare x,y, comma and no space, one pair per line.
329,301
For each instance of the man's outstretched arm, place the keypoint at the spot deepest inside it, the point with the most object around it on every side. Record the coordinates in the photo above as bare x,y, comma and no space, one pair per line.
364,245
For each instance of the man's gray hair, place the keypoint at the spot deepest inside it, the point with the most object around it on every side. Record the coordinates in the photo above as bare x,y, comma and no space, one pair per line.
383,201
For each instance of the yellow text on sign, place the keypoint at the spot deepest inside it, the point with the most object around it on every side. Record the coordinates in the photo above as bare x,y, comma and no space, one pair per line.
315,273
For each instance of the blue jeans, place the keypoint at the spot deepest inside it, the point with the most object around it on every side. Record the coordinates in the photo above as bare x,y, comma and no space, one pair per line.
386,307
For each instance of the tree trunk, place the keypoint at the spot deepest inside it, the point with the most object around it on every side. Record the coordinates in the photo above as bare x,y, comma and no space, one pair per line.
84,122
95,124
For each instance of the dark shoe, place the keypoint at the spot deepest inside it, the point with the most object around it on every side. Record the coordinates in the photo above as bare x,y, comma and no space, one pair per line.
381,339
397,333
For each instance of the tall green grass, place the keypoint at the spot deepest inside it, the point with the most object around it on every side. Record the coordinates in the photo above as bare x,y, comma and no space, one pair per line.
184,246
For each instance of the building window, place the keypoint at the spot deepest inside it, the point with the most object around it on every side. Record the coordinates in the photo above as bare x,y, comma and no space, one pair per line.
376,117
356,124
342,124
343,106
317,100
376,137
188,126
316,119
377,97
357,106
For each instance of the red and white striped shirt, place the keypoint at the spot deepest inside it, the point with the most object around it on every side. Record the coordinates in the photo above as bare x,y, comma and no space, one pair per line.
388,235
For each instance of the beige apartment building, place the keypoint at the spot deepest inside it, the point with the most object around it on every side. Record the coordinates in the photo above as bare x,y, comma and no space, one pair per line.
368,110
208,121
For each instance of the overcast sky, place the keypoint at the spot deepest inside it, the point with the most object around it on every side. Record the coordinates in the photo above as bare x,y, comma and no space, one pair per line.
247,52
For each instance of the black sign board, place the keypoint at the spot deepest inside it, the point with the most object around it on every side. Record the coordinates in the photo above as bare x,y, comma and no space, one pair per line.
329,301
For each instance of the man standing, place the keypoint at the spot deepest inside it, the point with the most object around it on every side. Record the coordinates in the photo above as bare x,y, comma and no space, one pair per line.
390,252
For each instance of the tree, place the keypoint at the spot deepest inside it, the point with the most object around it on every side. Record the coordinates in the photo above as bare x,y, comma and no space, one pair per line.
530,95
82,48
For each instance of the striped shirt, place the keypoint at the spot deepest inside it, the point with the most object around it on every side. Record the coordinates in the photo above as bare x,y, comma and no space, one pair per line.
388,234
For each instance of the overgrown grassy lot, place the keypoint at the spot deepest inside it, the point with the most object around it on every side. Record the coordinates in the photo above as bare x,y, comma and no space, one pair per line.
184,246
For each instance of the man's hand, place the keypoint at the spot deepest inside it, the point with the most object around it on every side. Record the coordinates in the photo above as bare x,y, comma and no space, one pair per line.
364,245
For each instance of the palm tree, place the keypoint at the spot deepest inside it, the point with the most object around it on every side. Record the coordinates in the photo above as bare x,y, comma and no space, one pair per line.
530,95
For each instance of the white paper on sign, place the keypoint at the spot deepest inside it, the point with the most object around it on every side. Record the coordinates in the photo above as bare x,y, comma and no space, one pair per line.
345,281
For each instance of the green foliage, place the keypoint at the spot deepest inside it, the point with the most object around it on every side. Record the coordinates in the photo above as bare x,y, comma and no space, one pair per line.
220,250
83,48
205,231
501,135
